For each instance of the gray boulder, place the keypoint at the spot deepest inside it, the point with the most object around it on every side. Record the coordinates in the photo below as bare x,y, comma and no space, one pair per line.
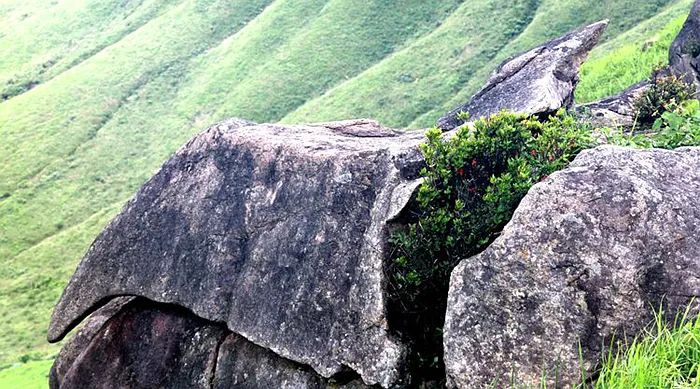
587,255
134,343
541,80
280,232
684,55
72,350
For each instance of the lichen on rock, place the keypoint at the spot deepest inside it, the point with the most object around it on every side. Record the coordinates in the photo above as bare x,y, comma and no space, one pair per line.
587,255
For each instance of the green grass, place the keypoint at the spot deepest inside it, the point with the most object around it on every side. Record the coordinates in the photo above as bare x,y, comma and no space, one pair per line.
666,356
30,375
553,18
117,86
629,58
415,86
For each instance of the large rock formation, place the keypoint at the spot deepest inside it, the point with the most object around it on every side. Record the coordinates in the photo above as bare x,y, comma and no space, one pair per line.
541,80
586,256
139,344
255,256
277,231
684,56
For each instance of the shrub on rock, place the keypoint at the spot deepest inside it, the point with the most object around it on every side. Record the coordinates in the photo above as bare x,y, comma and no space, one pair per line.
474,180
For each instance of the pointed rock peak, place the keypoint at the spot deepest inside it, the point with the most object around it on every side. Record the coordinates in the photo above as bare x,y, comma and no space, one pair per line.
541,80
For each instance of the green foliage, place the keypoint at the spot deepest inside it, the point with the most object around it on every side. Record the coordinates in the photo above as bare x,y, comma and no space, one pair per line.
666,356
676,128
665,94
473,183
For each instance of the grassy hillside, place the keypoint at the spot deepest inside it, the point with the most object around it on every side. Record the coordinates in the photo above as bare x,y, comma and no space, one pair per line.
627,59
416,85
95,94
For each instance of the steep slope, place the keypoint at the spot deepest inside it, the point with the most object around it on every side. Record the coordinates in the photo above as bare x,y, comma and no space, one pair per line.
98,94
554,18
629,57
46,40
410,82
66,140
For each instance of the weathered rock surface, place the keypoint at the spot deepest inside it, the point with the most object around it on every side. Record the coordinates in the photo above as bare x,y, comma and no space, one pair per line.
242,364
586,256
72,350
277,231
541,80
614,111
684,55
141,344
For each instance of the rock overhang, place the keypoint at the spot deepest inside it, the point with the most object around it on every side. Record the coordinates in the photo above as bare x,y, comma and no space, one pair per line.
278,231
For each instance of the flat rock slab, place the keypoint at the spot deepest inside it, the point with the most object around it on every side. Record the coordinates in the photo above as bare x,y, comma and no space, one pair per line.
541,80
587,255
277,231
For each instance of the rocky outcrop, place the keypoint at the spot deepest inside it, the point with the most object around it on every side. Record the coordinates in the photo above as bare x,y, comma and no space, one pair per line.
588,252
256,256
541,80
146,345
684,55
277,231
614,111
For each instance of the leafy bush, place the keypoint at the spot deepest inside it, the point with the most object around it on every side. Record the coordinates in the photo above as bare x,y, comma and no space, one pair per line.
473,183
665,94
676,128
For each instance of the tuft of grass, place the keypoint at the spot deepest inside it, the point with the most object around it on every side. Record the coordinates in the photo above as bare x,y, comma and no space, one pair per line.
665,356
677,128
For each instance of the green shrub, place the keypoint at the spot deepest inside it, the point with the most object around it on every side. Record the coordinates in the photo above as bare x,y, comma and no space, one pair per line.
665,94
474,180
676,128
